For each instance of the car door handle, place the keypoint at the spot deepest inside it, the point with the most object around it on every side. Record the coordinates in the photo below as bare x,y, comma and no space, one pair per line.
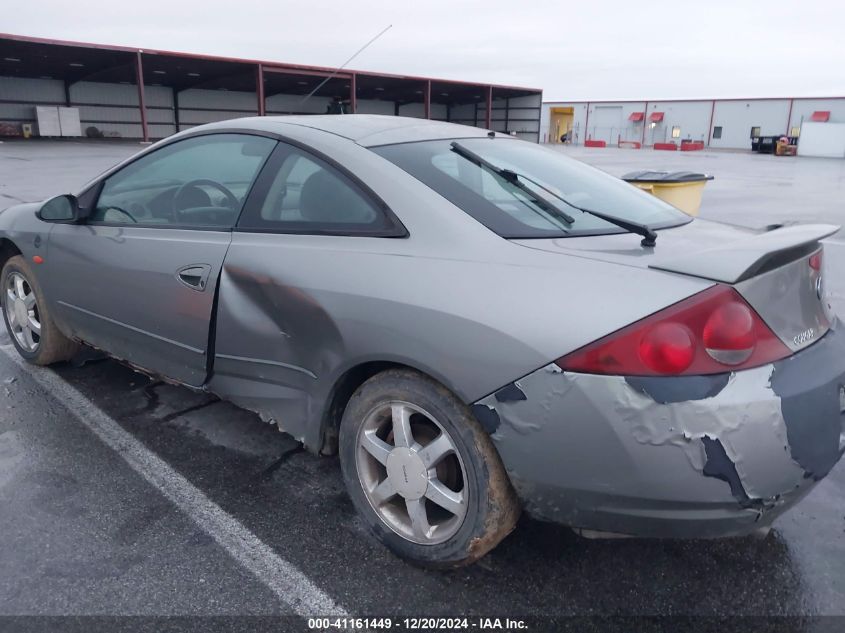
194,276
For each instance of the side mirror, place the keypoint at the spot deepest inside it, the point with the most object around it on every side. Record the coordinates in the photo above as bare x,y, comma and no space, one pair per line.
64,208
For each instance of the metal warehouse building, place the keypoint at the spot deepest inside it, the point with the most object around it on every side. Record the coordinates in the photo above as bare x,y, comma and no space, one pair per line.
72,88
716,123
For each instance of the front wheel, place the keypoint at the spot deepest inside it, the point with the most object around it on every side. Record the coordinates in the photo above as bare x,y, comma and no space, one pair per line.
422,473
28,319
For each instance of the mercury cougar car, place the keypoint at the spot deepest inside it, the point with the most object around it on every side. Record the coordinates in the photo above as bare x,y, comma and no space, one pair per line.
477,325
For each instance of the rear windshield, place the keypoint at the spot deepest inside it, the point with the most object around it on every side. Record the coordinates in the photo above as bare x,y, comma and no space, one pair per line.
513,213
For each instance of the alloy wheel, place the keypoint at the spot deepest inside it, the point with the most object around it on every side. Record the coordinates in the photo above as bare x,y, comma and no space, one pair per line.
412,473
22,312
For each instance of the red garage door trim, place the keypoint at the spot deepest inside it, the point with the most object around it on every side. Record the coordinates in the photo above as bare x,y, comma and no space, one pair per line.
636,116
656,117
820,116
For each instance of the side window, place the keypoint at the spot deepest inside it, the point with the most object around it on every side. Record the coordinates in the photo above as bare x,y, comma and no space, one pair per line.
200,182
300,193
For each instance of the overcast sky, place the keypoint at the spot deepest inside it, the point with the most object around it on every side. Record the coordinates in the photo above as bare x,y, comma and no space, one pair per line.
589,49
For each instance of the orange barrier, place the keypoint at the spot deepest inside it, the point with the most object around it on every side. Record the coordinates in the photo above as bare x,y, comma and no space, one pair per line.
667,146
589,143
692,146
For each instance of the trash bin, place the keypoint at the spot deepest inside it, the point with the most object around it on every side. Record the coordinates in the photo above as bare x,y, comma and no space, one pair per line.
681,189
26,130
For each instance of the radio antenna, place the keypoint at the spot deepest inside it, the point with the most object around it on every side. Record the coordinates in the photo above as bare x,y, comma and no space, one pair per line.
343,65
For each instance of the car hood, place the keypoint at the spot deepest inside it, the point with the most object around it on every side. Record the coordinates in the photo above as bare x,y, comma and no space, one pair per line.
709,250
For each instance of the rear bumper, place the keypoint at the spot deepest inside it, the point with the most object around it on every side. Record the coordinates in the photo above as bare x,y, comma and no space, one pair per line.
698,457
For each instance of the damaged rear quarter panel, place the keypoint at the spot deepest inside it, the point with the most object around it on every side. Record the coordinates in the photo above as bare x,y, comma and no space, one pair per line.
751,440
600,434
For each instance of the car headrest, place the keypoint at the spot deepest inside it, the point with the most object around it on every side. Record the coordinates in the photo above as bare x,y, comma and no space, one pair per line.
324,198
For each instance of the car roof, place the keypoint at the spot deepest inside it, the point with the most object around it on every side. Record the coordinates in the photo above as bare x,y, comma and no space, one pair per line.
367,130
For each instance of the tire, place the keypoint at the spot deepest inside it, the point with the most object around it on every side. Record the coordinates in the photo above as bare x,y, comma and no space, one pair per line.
392,478
41,348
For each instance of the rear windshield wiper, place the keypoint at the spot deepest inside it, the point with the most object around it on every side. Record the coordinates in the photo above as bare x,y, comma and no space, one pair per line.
649,236
513,178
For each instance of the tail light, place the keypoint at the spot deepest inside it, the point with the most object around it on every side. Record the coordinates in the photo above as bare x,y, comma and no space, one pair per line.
712,332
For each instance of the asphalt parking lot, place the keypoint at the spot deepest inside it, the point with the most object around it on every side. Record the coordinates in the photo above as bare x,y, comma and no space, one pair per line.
120,495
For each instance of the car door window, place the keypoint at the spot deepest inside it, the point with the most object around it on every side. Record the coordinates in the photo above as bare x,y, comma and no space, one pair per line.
301,193
199,182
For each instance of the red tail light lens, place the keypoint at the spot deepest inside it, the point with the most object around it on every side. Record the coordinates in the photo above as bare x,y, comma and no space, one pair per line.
668,348
709,333
730,334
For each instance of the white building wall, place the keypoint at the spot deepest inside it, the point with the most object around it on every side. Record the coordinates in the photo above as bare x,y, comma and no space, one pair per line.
579,120
545,118
692,117
802,110
825,140
736,119
609,122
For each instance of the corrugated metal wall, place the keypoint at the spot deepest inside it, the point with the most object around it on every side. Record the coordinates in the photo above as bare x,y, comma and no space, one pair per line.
736,118
517,115
198,106
112,108
19,96
802,110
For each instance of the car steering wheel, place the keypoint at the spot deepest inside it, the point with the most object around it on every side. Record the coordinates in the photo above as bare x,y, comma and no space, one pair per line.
231,200
122,212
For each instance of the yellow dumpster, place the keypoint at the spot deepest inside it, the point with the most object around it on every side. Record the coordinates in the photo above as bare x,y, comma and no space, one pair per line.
681,189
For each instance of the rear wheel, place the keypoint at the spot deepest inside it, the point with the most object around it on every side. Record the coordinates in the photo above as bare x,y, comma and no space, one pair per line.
422,473
28,320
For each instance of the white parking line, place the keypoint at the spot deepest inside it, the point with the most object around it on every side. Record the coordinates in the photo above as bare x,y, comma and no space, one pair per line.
289,584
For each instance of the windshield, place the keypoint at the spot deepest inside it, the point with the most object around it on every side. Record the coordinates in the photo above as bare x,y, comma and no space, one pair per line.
513,212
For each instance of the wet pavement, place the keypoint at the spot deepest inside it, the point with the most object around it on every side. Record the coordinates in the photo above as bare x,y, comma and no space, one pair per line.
85,534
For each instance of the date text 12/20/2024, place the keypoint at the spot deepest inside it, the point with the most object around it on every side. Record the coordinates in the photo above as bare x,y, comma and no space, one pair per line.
417,624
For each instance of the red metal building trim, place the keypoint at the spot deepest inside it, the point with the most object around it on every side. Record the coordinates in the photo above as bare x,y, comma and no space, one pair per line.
488,116
305,73
142,107
789,117
283,67
587,124
710,128
645,120
259,88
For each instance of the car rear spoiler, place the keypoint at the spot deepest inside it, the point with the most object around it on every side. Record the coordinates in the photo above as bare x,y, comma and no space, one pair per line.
735,261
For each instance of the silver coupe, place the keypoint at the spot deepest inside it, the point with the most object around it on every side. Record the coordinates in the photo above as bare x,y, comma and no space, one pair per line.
475,324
